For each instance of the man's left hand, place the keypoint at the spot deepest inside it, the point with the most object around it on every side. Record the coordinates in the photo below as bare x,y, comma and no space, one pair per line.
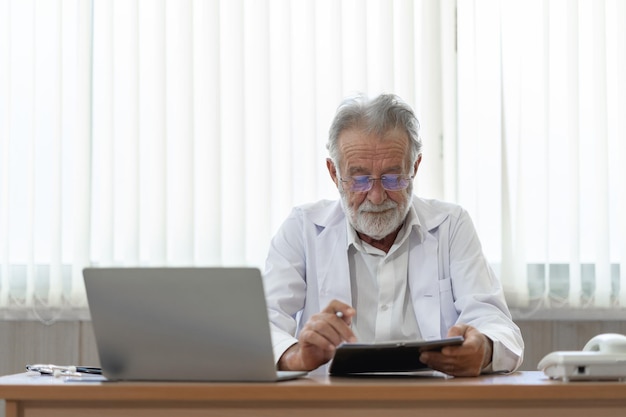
467,359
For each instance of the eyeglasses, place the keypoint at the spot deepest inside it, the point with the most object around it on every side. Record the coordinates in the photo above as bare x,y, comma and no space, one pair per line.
390,182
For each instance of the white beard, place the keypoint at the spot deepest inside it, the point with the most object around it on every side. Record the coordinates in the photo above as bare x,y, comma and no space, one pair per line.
376,221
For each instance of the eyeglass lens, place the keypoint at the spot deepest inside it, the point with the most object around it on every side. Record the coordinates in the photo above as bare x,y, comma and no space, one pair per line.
390,182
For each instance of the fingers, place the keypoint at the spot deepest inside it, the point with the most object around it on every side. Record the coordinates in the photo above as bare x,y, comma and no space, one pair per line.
326,331
339,316
323,333
464,360
334,322
320,336
341,310
451,365
458,330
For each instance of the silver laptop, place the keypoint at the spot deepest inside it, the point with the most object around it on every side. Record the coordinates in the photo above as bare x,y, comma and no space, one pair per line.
181,324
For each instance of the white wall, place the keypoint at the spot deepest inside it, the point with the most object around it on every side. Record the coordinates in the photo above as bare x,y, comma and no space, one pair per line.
68,343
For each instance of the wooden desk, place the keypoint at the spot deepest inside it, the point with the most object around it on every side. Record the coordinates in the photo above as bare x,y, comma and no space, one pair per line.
519,394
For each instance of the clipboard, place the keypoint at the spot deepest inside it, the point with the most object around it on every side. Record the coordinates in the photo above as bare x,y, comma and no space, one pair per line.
384,358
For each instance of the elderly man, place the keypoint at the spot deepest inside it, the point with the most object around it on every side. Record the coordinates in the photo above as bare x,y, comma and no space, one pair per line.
396,267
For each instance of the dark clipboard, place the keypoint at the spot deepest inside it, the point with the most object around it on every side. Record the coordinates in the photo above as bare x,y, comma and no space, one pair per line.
359,358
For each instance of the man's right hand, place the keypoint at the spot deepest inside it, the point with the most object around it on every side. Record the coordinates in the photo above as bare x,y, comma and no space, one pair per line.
319,338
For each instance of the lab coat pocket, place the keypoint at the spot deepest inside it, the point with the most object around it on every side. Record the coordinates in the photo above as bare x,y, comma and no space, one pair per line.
448,310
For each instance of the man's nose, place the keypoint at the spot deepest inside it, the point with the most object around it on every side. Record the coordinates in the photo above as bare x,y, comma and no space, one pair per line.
377,193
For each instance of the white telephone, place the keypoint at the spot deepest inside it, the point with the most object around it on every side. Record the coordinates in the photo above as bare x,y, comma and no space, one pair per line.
602,358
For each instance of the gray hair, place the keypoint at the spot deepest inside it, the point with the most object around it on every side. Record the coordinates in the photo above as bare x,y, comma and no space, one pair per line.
378,115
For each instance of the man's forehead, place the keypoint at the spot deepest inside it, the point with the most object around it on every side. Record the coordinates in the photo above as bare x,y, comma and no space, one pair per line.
358,135
358,146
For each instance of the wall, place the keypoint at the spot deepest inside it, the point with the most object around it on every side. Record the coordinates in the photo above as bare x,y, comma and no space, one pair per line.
62,343
66,343
544,336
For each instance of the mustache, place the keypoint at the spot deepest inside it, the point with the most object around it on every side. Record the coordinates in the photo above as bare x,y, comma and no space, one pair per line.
368,207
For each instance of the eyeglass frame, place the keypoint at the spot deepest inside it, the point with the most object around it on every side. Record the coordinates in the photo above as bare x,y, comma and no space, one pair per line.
370,181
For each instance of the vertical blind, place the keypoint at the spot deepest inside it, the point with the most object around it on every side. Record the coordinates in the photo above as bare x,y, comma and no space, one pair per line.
181,132
45,156
541,147
162,132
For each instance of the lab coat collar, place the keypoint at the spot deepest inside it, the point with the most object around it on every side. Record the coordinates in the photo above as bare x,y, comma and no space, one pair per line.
428,217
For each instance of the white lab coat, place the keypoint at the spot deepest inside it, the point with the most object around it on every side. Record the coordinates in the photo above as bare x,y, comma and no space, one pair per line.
307,267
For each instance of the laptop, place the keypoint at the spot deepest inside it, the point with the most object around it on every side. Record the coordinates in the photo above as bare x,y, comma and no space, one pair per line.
182,324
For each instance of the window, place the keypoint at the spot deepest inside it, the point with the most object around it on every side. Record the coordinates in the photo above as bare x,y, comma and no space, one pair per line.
541,142
180,132
157,132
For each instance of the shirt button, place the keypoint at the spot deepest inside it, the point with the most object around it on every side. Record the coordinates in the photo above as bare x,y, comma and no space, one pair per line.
384,307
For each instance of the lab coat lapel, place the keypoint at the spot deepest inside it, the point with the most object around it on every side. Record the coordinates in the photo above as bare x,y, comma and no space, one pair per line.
424,284
332,265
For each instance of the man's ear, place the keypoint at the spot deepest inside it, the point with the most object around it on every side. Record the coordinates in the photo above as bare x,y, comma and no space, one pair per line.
417,164
332,170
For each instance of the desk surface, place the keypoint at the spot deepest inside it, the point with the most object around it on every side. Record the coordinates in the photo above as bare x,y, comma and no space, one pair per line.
521,393
519,385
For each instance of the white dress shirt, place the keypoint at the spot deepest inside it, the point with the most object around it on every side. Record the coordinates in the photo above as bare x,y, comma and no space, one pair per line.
380,291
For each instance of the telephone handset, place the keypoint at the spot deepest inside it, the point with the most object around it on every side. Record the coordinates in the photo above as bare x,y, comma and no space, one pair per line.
607,343
602,358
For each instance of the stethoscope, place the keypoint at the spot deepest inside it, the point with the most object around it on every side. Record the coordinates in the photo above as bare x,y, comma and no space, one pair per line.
61,371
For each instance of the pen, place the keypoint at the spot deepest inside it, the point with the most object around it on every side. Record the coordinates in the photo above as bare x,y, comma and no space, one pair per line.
340,315
63,370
